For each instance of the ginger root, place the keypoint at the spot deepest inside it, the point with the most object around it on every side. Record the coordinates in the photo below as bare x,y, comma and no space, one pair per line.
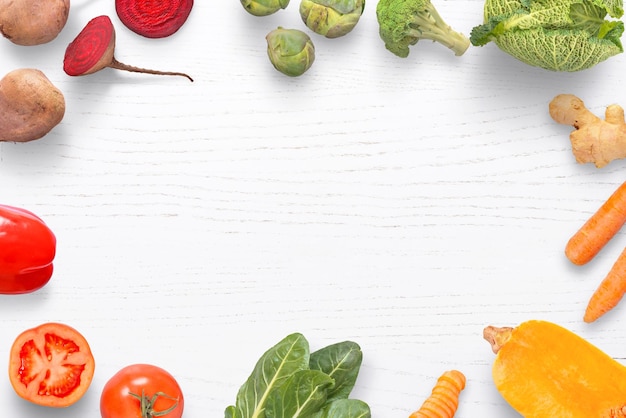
594,140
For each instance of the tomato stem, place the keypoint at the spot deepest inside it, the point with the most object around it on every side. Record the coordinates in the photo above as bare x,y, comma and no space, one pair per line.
147,404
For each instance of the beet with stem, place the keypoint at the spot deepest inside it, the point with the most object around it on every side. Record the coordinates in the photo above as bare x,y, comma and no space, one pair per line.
93,50
152,18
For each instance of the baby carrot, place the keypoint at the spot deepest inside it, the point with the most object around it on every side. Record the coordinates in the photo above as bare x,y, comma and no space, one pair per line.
444,399
610,291
599,228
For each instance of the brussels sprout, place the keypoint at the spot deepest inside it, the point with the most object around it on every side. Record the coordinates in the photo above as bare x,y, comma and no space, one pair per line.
291,51
331,18
263,7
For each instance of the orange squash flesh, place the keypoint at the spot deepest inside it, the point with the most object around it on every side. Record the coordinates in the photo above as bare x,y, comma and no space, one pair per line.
545,371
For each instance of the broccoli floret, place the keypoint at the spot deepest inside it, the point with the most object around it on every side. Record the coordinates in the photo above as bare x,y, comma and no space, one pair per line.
405,22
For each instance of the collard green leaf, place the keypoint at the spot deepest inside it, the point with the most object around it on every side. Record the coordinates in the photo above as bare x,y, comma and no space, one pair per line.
341,361
302,395
272,370
345,408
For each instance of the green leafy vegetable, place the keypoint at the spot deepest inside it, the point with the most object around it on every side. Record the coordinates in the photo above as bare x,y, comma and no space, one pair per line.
342,362
274,367
303,394
345,408
290,382
557,35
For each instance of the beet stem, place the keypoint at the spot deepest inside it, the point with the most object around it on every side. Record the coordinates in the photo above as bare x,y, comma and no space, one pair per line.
121,66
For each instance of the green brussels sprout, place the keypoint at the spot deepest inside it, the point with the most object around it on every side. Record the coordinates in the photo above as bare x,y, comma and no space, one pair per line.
291,51
263,7
331,18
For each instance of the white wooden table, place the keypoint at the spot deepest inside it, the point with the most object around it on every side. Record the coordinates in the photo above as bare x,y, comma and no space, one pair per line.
403,204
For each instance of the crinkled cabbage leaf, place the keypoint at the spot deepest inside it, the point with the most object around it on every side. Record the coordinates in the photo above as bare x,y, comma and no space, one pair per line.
558,35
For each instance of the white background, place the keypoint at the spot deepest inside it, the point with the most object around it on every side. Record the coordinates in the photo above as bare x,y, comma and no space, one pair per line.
404,204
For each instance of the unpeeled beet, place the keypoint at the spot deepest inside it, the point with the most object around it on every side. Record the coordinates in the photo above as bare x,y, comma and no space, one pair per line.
33,22
30,105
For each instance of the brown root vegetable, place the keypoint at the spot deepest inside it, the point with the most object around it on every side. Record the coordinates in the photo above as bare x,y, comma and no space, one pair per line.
93,50
30,105
594,140
33,22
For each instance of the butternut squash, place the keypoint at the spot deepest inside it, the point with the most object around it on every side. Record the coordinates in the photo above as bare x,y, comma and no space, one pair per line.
545,371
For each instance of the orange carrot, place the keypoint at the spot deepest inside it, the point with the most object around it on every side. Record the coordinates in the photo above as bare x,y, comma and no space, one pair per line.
444,400
610,291
599,228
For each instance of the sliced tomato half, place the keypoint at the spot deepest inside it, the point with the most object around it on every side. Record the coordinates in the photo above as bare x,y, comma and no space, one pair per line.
51,365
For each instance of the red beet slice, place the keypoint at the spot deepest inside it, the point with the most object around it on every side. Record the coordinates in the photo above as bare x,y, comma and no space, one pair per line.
93,50
153,18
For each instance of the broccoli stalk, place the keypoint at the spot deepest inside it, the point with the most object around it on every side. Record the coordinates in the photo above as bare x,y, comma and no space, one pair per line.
404,22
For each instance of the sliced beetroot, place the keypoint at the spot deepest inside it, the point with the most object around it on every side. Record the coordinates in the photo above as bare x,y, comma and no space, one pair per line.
93,50
153,18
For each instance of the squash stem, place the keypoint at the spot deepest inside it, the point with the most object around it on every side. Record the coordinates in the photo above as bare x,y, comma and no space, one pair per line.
497,337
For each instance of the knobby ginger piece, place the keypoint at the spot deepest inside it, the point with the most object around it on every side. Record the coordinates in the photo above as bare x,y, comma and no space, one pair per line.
594,140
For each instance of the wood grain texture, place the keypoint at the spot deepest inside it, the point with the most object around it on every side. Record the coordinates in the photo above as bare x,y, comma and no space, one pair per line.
401,203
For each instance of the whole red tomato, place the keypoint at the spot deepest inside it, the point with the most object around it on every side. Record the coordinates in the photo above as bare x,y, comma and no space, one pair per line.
142,391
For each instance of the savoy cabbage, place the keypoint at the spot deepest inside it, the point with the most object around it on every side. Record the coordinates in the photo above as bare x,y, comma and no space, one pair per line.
558,35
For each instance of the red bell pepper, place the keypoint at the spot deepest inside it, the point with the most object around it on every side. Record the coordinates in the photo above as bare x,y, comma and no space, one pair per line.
27,249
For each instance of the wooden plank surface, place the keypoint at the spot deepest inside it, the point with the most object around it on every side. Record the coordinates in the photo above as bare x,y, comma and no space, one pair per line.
400,203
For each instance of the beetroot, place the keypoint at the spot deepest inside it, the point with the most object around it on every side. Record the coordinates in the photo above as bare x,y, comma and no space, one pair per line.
153,18
93,50
30,106
33,22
